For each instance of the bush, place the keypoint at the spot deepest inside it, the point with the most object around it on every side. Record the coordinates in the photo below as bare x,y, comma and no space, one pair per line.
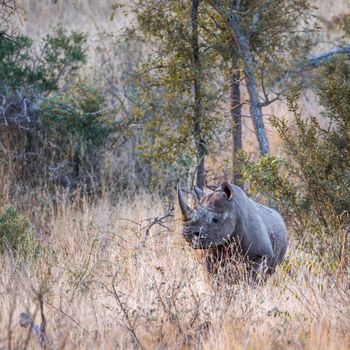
312,184
76,132
61,55
50,123
76,112
17,234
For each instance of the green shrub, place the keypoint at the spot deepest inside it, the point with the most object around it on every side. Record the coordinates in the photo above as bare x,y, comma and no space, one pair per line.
51,124
267,176
76,131
311,185
60,56
76,114
14,61
17,234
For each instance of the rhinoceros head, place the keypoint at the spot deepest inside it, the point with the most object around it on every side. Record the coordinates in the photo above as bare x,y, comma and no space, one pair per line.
212,221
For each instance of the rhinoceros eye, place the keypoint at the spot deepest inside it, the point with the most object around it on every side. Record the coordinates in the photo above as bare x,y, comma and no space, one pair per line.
215,220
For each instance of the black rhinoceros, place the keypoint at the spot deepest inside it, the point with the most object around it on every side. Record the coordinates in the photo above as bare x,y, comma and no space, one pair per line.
227,218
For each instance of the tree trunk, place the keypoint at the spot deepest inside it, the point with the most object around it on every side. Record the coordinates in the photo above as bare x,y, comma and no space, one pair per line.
200,144
249,71
235,101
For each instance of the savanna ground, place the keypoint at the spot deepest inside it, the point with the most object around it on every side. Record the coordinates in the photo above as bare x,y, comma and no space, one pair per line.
106,282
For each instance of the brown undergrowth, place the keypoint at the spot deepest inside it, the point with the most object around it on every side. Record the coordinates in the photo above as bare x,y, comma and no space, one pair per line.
101,283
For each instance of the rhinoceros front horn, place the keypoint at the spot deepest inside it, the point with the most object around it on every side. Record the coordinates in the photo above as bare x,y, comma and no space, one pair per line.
185,209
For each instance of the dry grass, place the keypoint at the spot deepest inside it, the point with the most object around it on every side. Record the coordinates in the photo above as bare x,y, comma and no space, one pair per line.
101,288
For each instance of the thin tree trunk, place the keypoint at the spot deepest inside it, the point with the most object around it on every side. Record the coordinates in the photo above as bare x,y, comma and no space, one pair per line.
249,71
235,99
200,144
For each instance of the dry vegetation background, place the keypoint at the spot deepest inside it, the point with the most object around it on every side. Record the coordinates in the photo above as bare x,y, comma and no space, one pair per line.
105,286
112,277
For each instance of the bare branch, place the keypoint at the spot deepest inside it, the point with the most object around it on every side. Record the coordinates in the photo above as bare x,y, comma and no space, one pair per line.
103,110
316,60
156,221
268,101
129,326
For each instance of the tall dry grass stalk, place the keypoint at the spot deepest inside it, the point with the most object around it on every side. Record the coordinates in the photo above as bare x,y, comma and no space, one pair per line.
101,288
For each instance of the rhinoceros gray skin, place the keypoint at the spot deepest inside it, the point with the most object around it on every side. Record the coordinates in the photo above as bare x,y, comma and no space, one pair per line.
227,217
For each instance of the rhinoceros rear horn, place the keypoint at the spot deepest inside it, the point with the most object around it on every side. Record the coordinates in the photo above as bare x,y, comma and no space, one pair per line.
185,209
227,188
198,192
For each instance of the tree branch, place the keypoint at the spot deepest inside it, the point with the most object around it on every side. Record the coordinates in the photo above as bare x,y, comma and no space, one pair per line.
315,60
258,14
155,221
268,101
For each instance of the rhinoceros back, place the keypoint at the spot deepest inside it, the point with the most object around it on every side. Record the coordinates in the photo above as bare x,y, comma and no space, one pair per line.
276,229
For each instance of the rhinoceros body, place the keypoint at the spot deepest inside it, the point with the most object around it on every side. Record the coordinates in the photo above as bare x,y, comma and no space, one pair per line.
228,217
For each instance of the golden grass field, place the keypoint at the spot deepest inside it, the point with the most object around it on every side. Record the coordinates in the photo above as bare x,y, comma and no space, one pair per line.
104,286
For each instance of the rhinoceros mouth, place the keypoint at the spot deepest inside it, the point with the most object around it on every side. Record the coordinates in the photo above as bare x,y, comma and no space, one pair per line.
201,242
197,243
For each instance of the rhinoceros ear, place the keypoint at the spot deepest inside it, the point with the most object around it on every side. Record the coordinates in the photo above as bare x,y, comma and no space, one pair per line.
227,188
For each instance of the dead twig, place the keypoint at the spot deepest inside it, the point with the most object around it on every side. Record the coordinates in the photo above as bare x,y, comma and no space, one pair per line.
68,316
132,221
155,221
129,326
